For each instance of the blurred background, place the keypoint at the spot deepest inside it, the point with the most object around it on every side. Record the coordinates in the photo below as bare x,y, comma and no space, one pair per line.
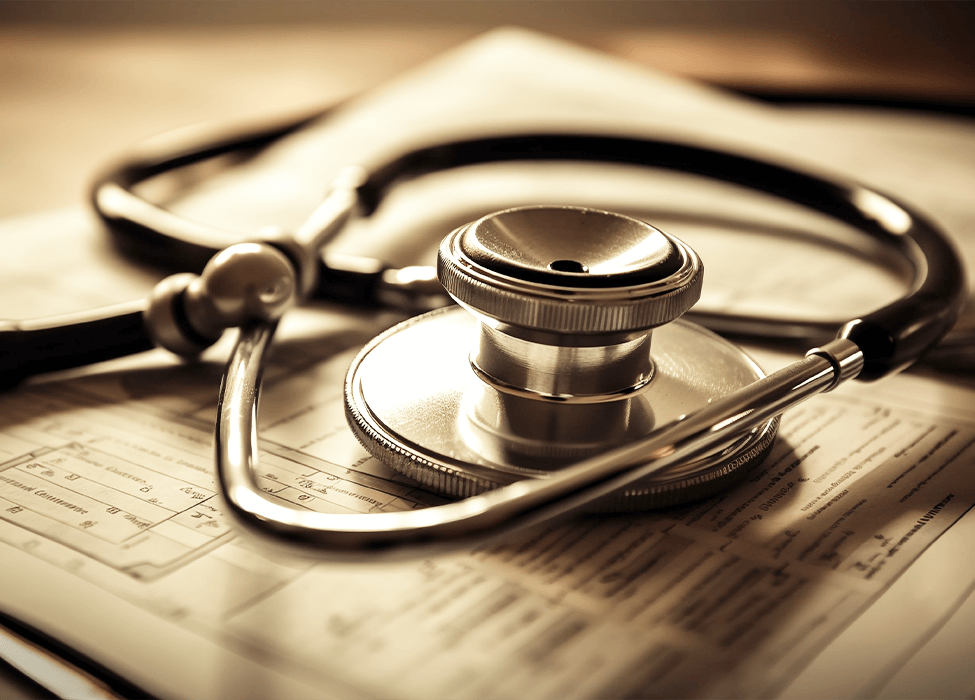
81,80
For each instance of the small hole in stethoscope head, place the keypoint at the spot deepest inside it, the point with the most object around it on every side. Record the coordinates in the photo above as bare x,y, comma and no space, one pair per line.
567,266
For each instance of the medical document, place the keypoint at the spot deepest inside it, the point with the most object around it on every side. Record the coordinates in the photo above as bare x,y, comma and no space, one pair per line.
114,539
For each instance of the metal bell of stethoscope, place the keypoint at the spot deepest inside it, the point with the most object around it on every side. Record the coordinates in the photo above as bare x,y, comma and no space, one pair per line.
565,344
563,381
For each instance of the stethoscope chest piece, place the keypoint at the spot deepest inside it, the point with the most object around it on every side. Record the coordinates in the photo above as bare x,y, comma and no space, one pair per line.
548,360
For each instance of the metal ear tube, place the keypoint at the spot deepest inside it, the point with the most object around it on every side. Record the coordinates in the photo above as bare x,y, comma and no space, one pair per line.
623,292
506,509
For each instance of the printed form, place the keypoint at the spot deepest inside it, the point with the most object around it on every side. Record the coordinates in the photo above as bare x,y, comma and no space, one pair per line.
728,597
115,542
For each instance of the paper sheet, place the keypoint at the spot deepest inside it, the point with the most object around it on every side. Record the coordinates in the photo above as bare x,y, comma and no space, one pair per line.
723,598
110,516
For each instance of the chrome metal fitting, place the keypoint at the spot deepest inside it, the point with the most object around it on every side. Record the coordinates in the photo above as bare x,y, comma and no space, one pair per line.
305,245
554,363
844,355
247,282
570,270
566,298
165,318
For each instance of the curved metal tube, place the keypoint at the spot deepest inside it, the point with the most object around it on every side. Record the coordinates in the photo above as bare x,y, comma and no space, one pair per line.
509,508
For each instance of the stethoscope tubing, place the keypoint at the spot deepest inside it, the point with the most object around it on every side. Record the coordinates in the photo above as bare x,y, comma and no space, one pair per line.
150,233
892,336
867,347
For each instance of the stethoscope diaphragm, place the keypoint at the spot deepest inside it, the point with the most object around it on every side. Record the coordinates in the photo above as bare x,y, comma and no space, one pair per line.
565,345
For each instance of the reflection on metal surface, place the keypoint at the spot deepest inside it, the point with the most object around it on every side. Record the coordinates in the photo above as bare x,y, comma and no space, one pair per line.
568,352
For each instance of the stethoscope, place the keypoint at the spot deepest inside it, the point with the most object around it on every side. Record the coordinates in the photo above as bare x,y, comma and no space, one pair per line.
562,381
